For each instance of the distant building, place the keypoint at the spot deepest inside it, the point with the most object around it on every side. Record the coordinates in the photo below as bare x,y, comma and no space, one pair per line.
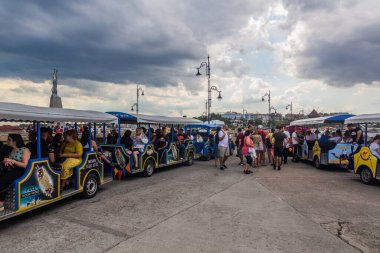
288,116
231,115
313,114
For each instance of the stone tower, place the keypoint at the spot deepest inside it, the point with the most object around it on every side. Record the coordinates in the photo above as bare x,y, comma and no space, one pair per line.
55,100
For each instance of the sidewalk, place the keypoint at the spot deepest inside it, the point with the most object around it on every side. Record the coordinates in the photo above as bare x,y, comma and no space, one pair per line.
245,217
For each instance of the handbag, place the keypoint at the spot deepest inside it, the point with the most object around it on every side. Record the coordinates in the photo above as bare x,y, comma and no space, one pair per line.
252,152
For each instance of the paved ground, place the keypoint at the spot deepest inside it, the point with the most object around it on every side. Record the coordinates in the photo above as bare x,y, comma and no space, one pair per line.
201,209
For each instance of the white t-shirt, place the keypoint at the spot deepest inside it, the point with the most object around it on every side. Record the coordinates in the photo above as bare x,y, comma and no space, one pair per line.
294,136
373,147
224,142
286,142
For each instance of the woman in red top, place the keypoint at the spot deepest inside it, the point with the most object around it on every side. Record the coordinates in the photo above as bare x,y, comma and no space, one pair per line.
247,146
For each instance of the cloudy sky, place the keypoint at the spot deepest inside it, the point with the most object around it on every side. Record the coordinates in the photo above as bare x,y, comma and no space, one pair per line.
321,54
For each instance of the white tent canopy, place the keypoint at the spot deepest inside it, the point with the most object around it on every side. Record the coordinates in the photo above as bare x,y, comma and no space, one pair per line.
310,121
25,113
364,118
130,118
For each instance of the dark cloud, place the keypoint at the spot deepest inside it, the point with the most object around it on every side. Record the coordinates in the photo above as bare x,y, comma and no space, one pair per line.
150,42
89,40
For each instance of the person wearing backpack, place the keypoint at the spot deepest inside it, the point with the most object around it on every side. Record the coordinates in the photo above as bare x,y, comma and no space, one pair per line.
269,145
239,145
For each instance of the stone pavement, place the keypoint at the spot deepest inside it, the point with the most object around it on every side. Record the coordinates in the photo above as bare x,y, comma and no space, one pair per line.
202,209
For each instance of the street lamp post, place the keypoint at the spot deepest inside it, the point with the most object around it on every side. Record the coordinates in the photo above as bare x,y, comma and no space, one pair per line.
209,87
275,112
291,109
205,113
269,107
138,90
299,113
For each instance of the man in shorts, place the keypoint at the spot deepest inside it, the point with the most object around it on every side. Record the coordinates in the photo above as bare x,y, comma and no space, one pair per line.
224,151
279,138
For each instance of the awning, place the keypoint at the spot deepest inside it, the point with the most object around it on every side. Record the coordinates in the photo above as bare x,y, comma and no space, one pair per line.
27,113
340,118
364,118
310,121
130,118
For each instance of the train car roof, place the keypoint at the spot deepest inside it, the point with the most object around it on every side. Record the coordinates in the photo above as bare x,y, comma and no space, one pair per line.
130,118
28,113
309,121
363,118
340,118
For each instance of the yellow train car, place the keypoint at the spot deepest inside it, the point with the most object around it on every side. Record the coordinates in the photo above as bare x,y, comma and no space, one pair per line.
365,163
325,153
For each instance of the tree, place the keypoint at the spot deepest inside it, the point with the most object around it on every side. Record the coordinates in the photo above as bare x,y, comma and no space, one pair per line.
258,121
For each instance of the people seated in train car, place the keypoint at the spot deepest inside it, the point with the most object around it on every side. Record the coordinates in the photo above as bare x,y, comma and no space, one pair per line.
337,136
346,137
145,131
179,143
14,166
72,151
175,136
356,134
127,140
165,134
152,135
46,140
112,137
375,146
139,142
4,152
189,136
198,137
55,148
309,136
86,147
161,142
32,144
181,136
325,136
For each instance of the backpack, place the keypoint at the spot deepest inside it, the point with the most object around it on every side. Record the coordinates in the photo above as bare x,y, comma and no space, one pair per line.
268,143
216,138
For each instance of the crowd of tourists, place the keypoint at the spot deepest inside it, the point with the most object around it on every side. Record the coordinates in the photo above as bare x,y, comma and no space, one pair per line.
258,147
